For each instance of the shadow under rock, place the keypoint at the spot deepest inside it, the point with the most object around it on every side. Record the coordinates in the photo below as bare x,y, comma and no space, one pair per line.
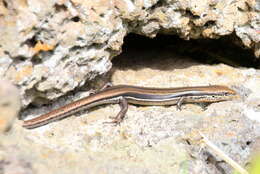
171,52
139,53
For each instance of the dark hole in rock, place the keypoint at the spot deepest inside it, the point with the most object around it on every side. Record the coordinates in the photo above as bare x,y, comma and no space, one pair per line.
225,50
5,4
209,23
188,142
60,7
31,42
75,19
20,58
190,14
248,143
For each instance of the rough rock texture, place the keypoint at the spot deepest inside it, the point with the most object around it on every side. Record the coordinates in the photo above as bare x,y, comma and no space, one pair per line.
151,139
9,105
50,47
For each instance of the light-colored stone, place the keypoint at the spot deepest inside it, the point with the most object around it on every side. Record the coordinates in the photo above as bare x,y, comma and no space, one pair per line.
74,41
50,47
9,105
151,139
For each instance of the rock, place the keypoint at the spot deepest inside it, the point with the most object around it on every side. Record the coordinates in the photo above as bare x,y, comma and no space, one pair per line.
9,105
151,139
49,48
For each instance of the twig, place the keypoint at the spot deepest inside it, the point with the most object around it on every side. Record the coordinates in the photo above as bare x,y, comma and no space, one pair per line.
226,158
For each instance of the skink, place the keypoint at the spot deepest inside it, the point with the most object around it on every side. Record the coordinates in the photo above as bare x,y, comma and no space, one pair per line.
123,94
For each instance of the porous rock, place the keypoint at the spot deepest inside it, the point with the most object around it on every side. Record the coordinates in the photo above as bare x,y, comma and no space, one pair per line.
49,48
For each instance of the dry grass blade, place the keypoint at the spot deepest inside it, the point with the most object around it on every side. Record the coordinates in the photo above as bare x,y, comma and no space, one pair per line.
222,155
